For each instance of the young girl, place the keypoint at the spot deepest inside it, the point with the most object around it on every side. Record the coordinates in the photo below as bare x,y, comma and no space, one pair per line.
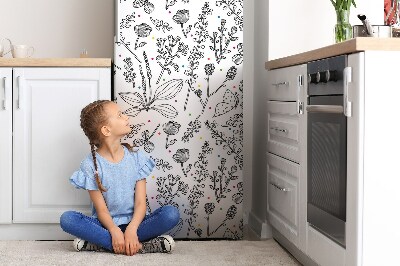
115,177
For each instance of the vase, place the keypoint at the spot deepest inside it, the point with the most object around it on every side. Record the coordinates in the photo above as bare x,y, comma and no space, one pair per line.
343,29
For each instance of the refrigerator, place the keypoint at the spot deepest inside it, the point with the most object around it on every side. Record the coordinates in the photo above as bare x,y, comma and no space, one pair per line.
177,74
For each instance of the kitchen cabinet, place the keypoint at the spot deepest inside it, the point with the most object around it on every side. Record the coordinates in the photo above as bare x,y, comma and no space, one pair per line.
370,106
285,124
42,144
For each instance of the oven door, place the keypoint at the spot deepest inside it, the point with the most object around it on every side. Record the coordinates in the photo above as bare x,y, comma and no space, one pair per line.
327,166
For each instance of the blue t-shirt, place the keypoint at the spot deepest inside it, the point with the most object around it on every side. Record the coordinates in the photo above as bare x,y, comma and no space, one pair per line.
118,178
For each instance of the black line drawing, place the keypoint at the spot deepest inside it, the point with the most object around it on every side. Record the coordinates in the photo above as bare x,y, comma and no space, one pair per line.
235,125
195,194
201,165
233,9
145,140
126,45
169,188
160,24
238,197
234,143
162,164
181,156
127,21
166,54
142,30
148,7
238,58
194,127
221,41
201,26
195,55
134,130
230,101
171,128
129,72
230,214
169,3
181,17
164,92
221,180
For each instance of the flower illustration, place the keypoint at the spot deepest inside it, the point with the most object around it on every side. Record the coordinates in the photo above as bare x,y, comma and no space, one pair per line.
209,208
209,68
181,17
148,7
230,214
181,156
142,31
171,128
231,73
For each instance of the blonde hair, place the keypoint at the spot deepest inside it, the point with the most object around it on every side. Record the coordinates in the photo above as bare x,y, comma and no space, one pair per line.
93,117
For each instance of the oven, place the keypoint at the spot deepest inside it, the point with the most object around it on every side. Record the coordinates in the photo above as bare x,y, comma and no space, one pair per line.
327,148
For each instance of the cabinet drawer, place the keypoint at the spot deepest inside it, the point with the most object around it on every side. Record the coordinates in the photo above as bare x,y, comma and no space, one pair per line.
282,207
283,83
283,130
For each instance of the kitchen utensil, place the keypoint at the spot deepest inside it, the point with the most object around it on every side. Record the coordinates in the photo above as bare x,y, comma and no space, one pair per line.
2,53
368,30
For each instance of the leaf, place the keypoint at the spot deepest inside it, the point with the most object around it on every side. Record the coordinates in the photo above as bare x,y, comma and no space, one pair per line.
131,98
237,59
229,102
142,44
138,3
166,110
168,90
133,111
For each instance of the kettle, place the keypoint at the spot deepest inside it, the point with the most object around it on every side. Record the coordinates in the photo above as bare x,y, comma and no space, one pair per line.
368,30
2,46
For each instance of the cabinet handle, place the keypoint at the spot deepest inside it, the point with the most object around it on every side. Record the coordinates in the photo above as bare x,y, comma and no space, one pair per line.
286,83
279,187
5,93
20,87
279,129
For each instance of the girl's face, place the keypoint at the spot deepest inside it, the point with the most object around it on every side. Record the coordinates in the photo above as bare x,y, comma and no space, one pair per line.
117,122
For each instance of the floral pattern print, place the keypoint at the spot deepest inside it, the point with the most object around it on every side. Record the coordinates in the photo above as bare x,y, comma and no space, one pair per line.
178,76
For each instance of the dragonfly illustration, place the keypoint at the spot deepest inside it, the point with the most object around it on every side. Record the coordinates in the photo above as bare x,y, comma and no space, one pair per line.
165,91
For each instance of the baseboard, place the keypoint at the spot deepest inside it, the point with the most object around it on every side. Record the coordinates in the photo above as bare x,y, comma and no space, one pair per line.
260,228
292,249
33,232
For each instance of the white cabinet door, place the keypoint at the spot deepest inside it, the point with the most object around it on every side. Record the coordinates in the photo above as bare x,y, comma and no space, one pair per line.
48,141
5,146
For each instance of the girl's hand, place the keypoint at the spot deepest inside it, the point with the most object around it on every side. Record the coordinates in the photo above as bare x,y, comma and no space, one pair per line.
132,244
118,241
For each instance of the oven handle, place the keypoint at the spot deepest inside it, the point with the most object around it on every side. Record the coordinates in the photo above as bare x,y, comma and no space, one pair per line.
335,109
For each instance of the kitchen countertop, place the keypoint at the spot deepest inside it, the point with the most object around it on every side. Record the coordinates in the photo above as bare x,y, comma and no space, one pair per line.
348,47
55,62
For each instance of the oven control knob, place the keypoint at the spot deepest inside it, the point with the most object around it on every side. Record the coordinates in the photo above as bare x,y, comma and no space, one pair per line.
333,76
324,76
314,78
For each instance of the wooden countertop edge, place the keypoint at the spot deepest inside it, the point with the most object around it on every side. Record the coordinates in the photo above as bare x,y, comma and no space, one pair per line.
55,62
347,47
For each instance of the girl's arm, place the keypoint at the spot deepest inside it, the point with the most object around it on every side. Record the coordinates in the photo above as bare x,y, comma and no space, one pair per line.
104,217
132,244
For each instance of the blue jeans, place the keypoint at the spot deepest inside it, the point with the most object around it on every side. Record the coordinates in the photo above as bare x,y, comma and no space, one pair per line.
90,229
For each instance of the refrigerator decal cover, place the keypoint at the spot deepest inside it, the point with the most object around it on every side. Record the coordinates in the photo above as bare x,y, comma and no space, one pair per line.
178,75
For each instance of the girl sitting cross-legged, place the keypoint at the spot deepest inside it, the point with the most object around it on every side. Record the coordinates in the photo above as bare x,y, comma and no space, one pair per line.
115,177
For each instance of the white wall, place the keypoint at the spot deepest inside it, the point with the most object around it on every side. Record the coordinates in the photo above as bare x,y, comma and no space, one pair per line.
60,28
303,25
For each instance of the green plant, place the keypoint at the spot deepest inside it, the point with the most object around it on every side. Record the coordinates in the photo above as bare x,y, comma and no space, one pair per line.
343,4
343,29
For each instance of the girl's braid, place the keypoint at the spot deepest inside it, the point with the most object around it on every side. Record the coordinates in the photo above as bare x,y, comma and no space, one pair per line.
92,118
